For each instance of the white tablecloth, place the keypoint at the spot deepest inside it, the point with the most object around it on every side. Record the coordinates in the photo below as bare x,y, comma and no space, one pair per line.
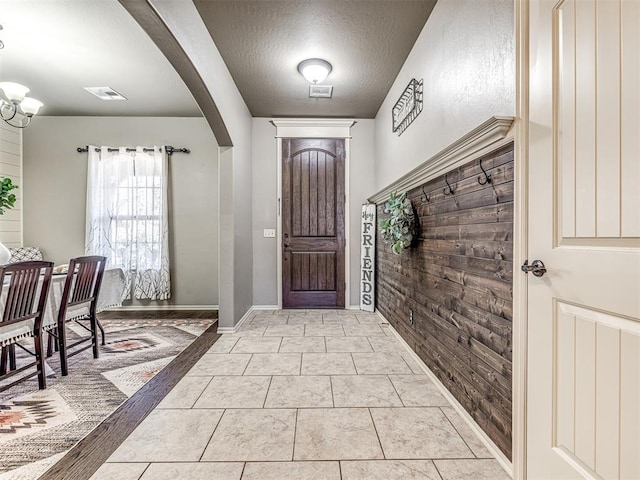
111,295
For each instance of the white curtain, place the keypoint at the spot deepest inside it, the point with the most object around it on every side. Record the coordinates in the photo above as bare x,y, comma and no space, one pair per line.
127,219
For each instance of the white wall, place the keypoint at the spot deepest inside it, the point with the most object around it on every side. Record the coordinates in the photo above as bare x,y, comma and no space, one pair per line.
361,178
265,195
235,195
11,167
465,54
55,193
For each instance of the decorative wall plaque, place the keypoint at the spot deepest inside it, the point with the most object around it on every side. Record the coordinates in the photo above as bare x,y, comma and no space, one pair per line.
368,258
408,106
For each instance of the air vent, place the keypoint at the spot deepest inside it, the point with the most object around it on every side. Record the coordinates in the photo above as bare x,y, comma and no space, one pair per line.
320,91
105,93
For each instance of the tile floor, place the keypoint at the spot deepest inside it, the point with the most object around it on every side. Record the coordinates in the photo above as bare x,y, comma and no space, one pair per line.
321,395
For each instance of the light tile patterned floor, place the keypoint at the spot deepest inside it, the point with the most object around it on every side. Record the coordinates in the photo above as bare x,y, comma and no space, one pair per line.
311,394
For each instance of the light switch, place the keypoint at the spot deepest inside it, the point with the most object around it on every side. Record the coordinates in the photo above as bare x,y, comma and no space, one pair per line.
269,233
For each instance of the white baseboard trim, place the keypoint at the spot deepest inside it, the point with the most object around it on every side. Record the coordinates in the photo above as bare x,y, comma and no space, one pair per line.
265,307
276,307
132,308
237,326
504,462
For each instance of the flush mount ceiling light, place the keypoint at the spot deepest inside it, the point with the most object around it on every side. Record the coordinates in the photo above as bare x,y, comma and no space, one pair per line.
15,107
315,70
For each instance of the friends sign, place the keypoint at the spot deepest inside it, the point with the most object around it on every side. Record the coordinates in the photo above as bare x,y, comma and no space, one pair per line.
367,258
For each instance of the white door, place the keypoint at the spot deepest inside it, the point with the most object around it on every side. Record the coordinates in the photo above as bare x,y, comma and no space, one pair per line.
583,401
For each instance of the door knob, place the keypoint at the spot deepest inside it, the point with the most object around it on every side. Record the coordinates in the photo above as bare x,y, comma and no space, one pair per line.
286,245
537,268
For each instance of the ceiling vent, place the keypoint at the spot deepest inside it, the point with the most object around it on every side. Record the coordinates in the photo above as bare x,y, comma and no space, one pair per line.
320,91
105,93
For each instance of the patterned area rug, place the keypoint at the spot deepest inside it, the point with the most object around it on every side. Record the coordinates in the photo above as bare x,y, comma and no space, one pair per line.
38,426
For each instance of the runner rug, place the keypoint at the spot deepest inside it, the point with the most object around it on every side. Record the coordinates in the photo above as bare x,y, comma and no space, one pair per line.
38,426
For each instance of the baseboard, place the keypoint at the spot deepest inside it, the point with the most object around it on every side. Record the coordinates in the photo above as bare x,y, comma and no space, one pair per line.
227,330
276,307
141,308
265,307
237,326
504,462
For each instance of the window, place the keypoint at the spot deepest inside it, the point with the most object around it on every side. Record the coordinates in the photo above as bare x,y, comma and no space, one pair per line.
127,216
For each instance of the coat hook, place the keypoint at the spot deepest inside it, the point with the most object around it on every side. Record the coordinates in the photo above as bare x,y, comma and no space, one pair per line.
448,188
426,198
487,177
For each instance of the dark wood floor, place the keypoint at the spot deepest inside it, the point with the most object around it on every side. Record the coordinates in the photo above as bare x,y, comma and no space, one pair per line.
167,314
92,451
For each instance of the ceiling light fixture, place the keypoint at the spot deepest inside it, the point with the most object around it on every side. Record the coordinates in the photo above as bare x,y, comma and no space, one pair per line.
315,70
15,107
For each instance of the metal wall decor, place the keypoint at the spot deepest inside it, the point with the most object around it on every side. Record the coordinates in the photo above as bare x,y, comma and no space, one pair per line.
408,106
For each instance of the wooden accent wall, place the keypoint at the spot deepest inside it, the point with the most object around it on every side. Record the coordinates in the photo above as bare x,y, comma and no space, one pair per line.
458,282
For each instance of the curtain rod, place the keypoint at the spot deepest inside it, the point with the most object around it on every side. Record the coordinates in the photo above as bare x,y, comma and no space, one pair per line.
168,148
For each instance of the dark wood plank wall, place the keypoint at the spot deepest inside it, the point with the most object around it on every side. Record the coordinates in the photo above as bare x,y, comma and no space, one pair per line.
458,282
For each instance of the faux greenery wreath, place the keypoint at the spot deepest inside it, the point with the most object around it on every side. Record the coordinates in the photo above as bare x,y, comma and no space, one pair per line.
7,199
399,228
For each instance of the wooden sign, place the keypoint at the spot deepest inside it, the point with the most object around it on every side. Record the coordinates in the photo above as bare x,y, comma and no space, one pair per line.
367,258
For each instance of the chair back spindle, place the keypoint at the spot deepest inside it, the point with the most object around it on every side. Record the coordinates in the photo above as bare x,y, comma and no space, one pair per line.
25,278
82,286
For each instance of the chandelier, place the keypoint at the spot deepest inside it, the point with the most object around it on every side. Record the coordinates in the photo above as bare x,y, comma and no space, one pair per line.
15,107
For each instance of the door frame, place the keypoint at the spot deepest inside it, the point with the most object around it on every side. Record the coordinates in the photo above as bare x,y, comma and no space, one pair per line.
520,241
313,128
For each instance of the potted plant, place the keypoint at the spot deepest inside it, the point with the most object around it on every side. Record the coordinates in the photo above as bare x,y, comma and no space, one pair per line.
7,200
400,228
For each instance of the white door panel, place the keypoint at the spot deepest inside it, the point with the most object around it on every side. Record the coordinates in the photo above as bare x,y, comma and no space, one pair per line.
584,223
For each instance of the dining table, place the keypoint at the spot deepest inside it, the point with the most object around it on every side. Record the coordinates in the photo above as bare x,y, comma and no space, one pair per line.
111,295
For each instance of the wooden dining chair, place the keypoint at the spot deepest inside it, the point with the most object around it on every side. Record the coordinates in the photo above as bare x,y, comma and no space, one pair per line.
24,293
81,289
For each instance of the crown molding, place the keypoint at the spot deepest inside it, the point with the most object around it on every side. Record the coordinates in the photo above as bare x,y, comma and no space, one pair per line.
486,137
313,127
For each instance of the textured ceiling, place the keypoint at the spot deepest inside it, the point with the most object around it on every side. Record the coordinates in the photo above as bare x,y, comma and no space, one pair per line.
57,47
262,42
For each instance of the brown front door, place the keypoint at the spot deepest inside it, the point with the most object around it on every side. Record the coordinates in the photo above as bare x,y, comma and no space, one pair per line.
312,223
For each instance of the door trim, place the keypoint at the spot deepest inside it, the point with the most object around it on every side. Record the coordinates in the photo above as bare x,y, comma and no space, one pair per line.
520,242
313,128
